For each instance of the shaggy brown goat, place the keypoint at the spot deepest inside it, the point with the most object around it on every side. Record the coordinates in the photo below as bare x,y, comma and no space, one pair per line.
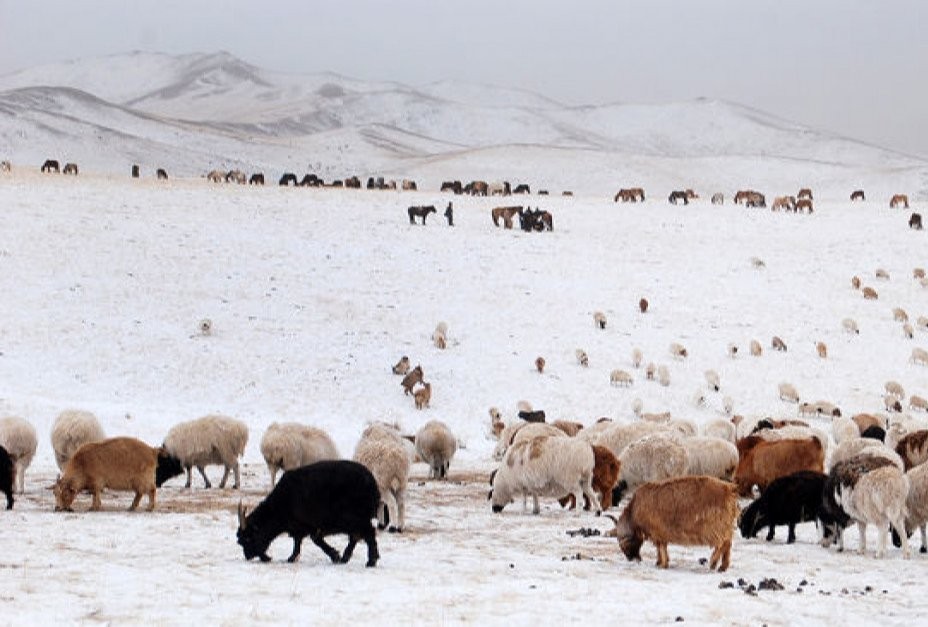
761,461
413,377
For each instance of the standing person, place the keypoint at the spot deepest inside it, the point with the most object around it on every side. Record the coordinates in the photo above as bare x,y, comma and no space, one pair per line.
449,214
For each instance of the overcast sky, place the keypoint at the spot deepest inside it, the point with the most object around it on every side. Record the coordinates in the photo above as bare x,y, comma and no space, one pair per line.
855,67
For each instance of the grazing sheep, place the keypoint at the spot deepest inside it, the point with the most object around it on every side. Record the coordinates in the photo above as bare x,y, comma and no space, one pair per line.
907,331
894,389
650,458
919,356
918,403
71,430
582,358
822,349
869,293
843,429
663,376
643,305
900,315
522,431
788,393
402,366
850,326
210,440
637,357
422,396
649,371
921,323
606,469
412,377
710,456
638,406
756,349
712,380
289,445
720,429
761,461
913,448
540,364
678,351
788,500
114,464
440,335
692,511
18,437
855,282
620,377
881,274
382,451
435,445
732,350
545,466
892,404
778,344
599,319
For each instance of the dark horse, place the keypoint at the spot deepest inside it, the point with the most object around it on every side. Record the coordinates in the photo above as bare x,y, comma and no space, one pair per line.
135,171
421,211
162,174
677,196
50,165
287,179
256,179
857,194
537,220
915,221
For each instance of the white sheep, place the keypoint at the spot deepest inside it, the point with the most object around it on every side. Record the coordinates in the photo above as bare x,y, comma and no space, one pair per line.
907,331
879,499
850,326
435,445
18,437
918,403
919,356
440,335
652,458
638,407
663,375
582,358
843,429
637,357
210,440
599,319
728,405
756,349
721,429
620,377
678,351
545,466
681,426
900,315
894,389
732,350
881,274
788,393
616,436
921,323
712,380
382,451
521,431
650,370
710,456
72,429
289,445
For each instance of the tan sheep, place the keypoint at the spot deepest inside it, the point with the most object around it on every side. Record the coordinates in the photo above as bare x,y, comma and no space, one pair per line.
850,326
822,349
919,356
788,393
855,282
756,349
894,389
402,366
869,293
620,377
599,319
777,344
882,274
678,351
637,357
907,331
918,403
663,375
650,370
900,315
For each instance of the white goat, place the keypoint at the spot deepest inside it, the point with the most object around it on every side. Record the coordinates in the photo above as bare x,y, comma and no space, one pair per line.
712,380
788,393
652,458
435,445
382,451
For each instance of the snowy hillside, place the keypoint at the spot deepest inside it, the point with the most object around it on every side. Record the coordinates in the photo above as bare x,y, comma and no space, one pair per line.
193,112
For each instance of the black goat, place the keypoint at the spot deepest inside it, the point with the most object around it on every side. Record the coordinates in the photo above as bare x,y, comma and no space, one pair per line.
789,500
318,500
7,474
532,416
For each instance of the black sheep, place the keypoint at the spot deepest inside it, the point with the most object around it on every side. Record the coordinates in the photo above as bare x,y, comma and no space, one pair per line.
7,474
318,500
532,416
789,500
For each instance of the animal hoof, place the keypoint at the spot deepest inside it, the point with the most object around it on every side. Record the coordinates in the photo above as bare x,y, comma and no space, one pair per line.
393,529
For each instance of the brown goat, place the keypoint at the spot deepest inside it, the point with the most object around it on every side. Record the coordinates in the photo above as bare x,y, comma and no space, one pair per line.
423,395
692,511
865,421
569,427
761,461
117,464
413,377
643,305
606,467
540,364
913,448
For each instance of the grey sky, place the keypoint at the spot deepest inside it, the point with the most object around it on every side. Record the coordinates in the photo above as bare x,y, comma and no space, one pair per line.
855,67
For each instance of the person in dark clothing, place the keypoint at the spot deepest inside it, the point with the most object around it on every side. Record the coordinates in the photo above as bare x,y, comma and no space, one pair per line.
449,214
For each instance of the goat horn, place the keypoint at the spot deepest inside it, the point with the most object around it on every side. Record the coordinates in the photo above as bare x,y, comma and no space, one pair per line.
241,515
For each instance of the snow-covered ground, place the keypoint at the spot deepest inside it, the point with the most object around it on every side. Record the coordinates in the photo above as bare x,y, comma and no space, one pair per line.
314,294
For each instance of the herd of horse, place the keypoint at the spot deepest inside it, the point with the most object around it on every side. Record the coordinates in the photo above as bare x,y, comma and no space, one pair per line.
529,219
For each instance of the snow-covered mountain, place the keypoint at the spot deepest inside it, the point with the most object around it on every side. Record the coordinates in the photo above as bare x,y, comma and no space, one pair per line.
193,112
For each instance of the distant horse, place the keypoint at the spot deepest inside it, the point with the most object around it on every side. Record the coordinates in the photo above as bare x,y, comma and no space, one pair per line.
476,188
915,221
161,174
805,192
452,186
499,188
678,195
256,179
803,205
718,199
236,176
409,185
135,171
786,203
631,194
287,179
353,182
537,220
215,176
567,192
420,210
857,194
542,192
506,213
70,168
311,180
691,195
5,166
50,165
755,199
899,199
522,188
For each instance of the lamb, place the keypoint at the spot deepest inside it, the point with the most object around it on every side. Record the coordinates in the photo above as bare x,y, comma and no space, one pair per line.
650,458
721,429
115,464
756,349
899,314
822,349
582,358
412,377
919,356
778,344
637,357
916,402
209,440
328,497
289,445
788,500
850,326
663,375
685,510
422,396
913,448
599,319
894,389
382,451
402,366
620,377
435,445
710,456
869,492
545,466
606,469
916,506
678,351
788,393
540,364
18,437
7,477
762,461
869,293
712,380
71,430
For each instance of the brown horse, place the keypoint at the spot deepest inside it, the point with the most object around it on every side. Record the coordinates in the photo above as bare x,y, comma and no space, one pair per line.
805,192
353,182
215,176
409,185
678,195
857,194
506,213
786,203
899,199
70,168
630,194
804,205
50,165
287,179
522,188
452,186
421,211
915,221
